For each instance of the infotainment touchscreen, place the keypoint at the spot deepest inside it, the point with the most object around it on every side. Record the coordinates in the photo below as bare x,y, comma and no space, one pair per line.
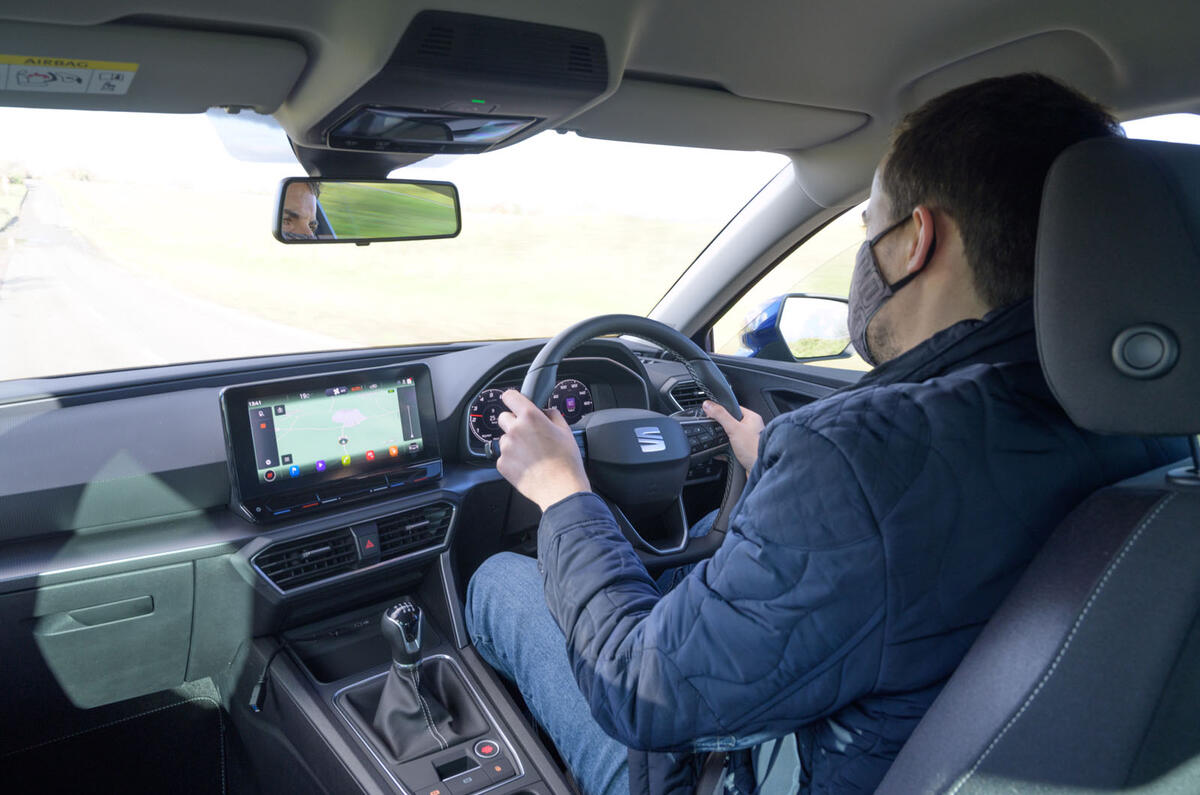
310,432
299,444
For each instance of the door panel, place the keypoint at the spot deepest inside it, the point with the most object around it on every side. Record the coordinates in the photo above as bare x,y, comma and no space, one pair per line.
774,388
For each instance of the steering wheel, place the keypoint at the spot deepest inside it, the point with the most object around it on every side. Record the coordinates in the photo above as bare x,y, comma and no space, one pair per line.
638,459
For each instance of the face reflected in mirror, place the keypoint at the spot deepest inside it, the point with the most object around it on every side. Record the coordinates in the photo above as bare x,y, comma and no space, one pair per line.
299,220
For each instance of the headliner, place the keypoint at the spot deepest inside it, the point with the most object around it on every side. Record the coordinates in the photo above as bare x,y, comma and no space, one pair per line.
820,80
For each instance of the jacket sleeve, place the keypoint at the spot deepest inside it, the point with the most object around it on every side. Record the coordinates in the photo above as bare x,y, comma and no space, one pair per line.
781,627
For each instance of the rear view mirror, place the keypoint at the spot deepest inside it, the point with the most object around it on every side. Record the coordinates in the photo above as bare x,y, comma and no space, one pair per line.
365,211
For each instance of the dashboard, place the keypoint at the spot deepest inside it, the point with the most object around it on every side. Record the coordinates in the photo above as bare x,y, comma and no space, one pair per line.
302,445
119,471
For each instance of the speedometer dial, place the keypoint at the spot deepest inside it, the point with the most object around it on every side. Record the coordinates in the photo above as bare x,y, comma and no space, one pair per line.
484,411
573,399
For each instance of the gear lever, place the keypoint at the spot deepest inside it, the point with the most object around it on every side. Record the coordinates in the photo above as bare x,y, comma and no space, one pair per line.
401,626
422,706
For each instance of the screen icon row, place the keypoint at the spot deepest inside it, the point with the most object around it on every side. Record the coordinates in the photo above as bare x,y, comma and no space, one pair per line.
322,465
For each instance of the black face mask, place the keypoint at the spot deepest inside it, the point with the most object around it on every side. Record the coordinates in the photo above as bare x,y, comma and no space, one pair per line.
869,290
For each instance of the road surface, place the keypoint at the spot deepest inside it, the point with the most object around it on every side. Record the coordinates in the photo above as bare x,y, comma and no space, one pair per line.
65,307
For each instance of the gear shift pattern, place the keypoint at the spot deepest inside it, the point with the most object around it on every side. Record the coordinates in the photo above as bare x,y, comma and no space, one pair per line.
401,626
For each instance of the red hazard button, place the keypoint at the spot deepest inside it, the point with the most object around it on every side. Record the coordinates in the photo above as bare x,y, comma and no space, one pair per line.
368,544
486,749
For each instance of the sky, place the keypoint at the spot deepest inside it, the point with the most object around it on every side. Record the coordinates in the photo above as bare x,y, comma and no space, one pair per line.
1180,128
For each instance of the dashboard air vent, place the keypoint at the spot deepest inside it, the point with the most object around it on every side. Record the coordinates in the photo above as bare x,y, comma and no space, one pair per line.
291,564
688,394
412,530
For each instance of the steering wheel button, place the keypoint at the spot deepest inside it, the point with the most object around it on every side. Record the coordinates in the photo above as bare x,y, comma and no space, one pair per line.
486,749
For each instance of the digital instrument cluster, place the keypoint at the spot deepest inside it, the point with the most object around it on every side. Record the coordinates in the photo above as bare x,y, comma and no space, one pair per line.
570,396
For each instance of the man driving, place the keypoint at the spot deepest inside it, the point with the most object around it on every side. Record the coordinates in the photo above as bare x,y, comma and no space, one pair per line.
880,527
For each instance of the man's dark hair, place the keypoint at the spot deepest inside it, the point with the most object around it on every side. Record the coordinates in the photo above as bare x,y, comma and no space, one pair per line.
980,154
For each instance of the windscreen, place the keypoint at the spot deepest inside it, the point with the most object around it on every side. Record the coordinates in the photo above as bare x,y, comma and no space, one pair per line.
129,240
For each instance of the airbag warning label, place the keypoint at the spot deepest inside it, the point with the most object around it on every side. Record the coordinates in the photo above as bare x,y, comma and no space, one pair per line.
65,75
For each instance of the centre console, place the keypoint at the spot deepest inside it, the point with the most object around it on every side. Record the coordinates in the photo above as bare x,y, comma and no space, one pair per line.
423,721
388,698
348,685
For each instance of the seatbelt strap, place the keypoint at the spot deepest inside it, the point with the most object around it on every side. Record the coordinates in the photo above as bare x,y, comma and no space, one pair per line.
711,774
714,767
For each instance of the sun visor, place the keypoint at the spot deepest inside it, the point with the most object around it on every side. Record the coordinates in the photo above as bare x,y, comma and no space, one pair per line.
1067,55
141,68
647,111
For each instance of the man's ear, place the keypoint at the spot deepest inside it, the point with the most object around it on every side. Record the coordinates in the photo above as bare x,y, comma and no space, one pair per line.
920,250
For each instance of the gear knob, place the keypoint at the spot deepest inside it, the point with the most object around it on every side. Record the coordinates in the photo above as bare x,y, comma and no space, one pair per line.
401,627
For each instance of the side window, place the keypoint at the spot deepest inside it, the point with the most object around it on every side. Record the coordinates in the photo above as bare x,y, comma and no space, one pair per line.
821,265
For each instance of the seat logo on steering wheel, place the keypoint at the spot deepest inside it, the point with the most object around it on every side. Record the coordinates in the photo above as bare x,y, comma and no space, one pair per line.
650,438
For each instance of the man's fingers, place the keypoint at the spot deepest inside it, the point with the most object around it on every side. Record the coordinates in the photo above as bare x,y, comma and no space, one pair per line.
557,418
517,403
505,420
717,412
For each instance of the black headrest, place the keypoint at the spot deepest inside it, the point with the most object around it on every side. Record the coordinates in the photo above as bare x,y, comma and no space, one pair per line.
1117,290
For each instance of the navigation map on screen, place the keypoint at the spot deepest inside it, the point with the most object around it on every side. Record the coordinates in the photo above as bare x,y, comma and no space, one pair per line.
354,425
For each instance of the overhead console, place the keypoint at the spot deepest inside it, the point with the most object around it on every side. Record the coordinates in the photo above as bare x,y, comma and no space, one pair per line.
463,83
300,445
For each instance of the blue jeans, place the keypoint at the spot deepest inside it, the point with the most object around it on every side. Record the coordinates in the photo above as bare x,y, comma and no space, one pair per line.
514,632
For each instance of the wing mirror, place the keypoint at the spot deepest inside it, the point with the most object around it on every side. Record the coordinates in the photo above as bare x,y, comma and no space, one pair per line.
799,327
365,211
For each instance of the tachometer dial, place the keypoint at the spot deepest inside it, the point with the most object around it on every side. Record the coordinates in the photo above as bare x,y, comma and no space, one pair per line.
485,409
573,399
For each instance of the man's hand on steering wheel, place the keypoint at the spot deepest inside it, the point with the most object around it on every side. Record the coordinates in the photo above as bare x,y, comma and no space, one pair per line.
538,453
743,434
637,459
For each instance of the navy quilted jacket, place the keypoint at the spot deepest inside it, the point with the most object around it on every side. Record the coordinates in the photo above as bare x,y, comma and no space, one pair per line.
879,530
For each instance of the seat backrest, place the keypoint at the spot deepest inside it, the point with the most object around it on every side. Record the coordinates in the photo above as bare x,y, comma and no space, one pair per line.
1088,677
1089,674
